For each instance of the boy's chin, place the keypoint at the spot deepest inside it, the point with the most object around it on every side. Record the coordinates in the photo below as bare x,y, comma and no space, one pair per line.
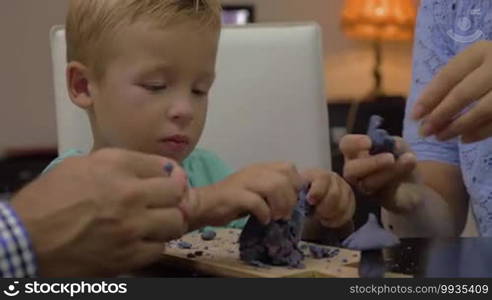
178,157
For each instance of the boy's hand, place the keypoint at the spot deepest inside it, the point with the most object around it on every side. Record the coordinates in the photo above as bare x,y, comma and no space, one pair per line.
378,175
268,191
465,80
332,197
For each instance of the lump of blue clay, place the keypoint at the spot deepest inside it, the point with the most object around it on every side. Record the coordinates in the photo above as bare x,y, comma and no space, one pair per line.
317,251
208,235
381,140
184,245
371,236
276,243
322,252
258,264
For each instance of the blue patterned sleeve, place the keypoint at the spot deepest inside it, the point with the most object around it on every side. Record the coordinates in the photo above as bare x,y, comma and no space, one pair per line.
432,50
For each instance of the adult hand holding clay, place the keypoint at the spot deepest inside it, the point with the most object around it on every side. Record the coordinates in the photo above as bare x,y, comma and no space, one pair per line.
99,215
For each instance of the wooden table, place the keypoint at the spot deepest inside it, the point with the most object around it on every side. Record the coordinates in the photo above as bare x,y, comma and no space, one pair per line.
415,257
220,257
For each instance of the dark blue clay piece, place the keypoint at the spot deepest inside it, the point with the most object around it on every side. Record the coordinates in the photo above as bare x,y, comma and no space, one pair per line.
319,252
381,140
276,243
184,245
168,168
208,235
258,264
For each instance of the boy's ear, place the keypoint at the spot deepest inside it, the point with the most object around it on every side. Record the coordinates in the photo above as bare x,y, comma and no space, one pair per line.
79,85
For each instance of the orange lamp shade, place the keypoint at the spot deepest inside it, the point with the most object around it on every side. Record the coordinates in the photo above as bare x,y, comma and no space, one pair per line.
392,20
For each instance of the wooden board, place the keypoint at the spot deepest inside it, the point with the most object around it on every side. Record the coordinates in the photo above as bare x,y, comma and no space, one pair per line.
221,258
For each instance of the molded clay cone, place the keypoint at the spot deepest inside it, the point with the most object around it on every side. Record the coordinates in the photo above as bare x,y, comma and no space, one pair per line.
371,236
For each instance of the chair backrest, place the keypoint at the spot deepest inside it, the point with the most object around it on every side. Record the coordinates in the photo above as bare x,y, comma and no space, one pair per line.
267,104
72,123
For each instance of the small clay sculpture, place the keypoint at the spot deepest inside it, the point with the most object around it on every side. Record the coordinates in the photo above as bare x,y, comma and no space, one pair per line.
277,242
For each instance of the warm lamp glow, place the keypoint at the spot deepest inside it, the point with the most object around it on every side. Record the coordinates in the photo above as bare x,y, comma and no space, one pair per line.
379,19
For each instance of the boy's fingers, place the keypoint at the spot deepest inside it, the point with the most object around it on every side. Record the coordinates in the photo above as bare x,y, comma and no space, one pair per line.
290,170
319,188
256,206
271,188
341,220
275,185
352,144
346,212
332,203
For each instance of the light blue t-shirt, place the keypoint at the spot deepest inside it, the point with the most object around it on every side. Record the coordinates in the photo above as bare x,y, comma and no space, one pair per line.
444,29
202,167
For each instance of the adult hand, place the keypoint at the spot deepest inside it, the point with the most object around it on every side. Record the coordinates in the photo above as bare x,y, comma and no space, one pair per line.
103,214
465,80
379,175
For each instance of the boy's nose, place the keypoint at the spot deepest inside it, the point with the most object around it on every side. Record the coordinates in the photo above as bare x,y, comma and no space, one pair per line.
181,111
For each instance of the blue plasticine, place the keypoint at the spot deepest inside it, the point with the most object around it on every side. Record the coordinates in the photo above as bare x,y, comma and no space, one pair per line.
322,252
277,242
381,141
168,168
208,235
184,245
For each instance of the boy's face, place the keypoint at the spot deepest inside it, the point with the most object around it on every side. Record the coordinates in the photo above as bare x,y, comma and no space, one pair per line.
154,93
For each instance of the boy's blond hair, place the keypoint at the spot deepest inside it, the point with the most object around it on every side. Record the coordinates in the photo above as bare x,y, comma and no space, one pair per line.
90,24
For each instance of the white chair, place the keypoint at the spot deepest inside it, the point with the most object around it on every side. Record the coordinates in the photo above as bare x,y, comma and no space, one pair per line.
72,123
267,104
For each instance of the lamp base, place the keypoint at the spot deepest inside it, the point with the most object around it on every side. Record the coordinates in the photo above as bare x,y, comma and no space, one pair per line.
376,92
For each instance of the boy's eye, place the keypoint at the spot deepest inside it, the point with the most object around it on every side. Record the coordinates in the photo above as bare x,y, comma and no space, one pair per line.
154,87
199,92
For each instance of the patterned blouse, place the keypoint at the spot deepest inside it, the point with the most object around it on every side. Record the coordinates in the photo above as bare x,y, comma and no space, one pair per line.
444,29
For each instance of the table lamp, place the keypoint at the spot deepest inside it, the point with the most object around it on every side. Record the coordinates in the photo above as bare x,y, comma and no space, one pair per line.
377,21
